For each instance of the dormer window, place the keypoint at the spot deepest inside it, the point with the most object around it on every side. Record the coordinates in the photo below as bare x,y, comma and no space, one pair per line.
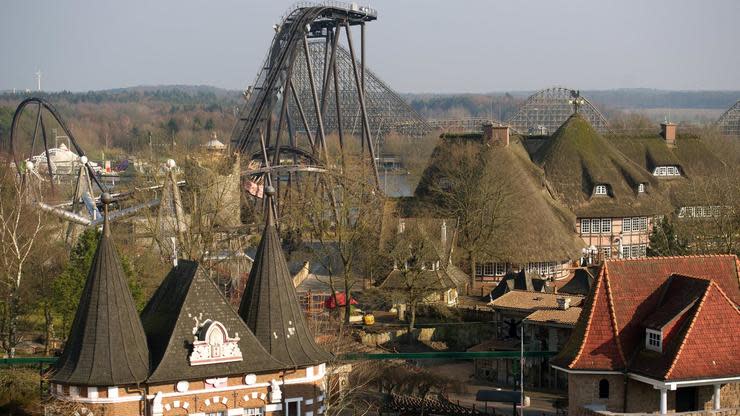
601,190
641,188
667,171
654,340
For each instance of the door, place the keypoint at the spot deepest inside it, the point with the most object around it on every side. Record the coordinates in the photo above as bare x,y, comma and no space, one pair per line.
686,399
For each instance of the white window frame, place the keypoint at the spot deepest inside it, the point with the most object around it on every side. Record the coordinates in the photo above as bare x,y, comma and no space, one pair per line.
606,226
499,268
595,226
626,225
601,190
641,188
643,224
253,411
606,252
298,406
585,226
654,340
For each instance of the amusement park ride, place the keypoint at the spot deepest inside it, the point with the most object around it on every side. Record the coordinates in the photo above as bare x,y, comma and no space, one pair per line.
308,86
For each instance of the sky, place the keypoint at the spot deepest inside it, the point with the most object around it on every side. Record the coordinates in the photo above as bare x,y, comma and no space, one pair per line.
415,46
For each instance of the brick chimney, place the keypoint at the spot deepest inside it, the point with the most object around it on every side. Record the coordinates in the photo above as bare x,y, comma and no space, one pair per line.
495,135
668,131
487,132
500,135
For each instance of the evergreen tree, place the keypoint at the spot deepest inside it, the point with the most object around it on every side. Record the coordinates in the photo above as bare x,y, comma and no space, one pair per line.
665,241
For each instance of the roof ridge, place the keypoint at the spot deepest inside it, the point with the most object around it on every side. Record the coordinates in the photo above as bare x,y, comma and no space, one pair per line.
651,258
599,280
615,326
722,292
688,331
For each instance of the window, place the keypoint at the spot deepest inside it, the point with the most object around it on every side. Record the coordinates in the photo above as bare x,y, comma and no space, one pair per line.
257,411
606,252
606,225
585,226
634,251
627,225
626,251
604,389
643,224
490,269
601,190
292,408
216,414
641,188
666,171
654,340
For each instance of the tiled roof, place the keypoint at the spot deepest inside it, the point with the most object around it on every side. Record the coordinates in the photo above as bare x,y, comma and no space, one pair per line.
106,345
531,301
567,317
270,306
187,294
693,314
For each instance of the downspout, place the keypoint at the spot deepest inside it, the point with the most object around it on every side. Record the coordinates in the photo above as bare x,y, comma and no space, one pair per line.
624,394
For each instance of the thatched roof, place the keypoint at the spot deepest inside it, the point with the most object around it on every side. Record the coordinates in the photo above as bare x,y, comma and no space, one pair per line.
536,226
699,164
577,158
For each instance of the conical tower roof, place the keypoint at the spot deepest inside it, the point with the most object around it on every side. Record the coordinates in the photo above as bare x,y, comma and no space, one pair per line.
270,306
107,345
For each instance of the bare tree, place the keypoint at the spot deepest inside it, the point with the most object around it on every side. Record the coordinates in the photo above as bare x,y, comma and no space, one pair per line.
461,184
340,214
415,274
20,225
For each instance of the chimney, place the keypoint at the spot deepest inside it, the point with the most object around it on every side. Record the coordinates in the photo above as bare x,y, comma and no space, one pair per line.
443,233
563,304
668,131
501,135
495,135
487,132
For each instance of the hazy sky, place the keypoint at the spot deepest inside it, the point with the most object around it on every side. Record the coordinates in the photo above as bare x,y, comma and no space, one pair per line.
415,45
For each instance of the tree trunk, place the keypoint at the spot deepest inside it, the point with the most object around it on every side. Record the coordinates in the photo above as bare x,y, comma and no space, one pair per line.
412,319
49,328
347,301
471,260
12,322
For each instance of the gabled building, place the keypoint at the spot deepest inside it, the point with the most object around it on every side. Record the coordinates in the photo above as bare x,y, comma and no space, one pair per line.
613,198
657,335
435,275
190,352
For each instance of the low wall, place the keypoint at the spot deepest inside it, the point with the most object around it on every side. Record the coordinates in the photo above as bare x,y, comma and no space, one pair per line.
735,411
458,336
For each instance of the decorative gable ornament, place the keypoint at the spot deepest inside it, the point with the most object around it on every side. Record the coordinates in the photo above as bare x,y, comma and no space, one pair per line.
212,343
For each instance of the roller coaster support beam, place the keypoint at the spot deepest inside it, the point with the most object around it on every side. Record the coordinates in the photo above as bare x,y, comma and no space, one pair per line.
339,109
361,96
319,119
303,116
328,76
362,75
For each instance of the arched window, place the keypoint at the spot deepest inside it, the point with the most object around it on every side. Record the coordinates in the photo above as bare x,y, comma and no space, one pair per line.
603,389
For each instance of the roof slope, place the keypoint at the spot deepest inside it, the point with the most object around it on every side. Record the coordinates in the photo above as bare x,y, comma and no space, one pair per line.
700,164
577,158
186,298
270,306
106,345
535,227
632,295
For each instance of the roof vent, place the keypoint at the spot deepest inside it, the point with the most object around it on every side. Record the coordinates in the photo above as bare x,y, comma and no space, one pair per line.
563,304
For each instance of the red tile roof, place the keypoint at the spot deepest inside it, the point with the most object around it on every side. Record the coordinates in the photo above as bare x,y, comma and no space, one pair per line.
693,314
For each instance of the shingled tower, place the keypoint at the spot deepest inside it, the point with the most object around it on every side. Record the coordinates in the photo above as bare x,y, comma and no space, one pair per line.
270,305
107,346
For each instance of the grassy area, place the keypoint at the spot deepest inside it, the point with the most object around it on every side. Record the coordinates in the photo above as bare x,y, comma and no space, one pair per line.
20,391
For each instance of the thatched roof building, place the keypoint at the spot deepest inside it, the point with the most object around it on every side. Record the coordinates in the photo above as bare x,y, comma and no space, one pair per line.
593,178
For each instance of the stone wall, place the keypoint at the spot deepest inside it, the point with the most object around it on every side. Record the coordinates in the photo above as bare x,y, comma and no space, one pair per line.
583,390
462,336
